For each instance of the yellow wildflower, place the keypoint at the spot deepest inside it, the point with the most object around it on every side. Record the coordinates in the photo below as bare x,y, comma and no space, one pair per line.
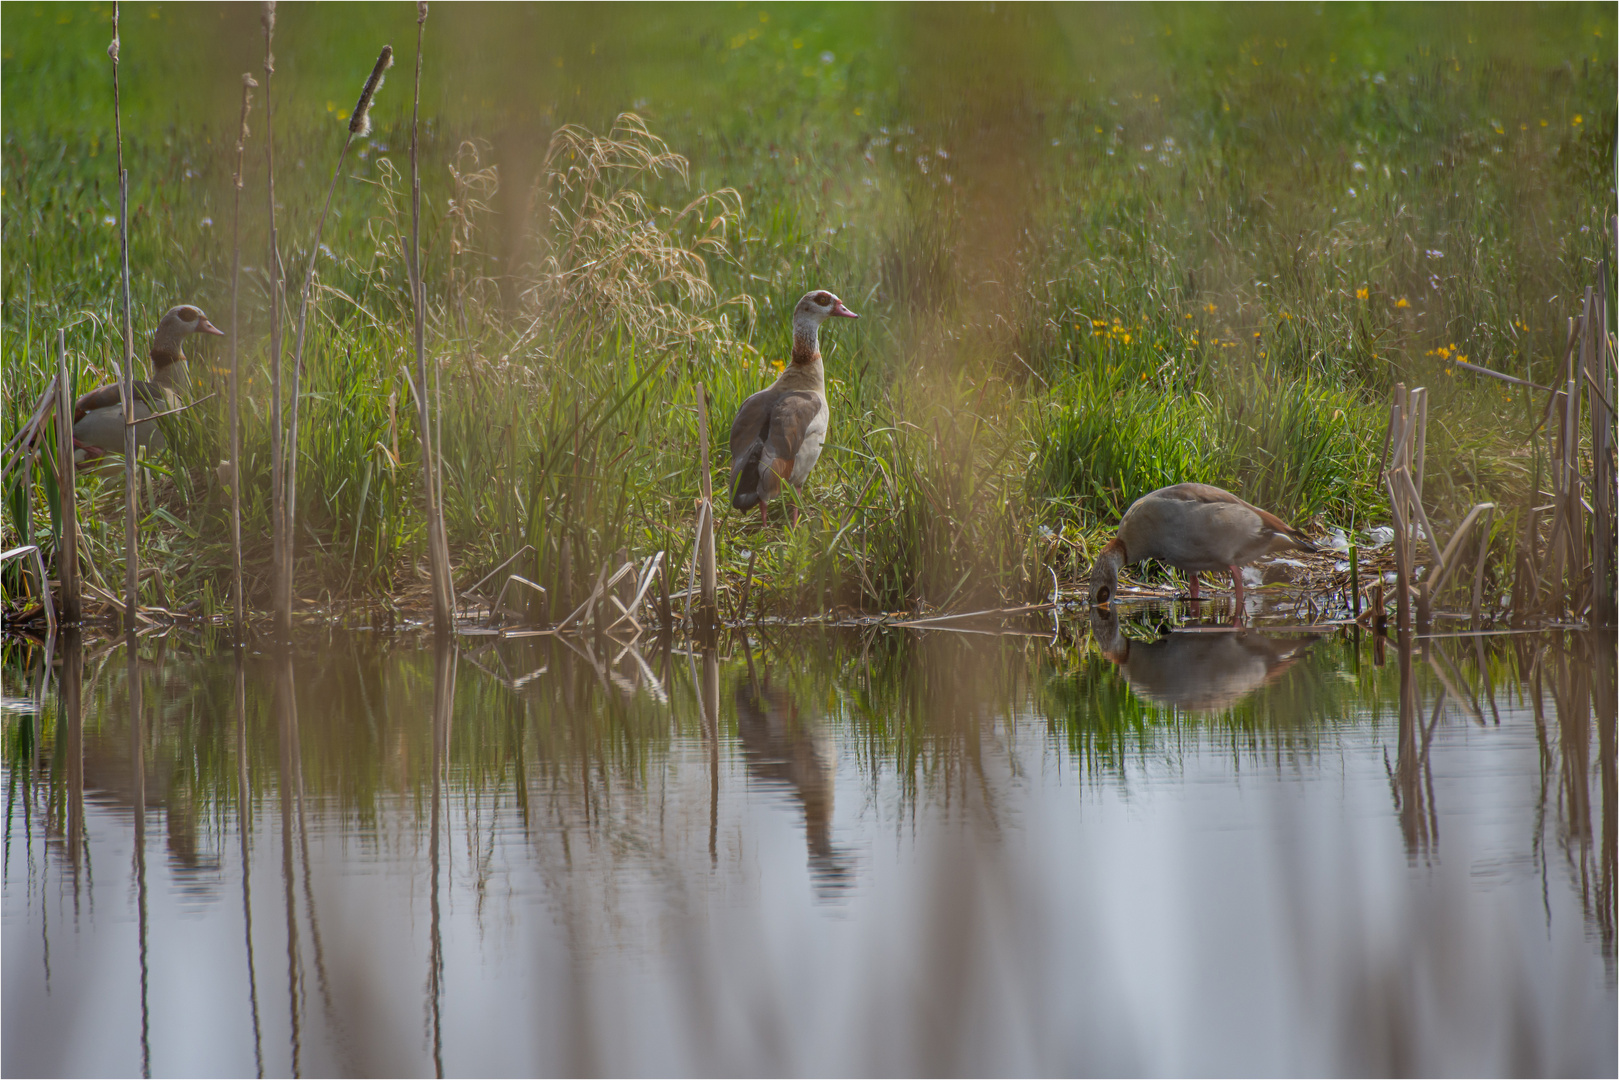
1362,293
1402,302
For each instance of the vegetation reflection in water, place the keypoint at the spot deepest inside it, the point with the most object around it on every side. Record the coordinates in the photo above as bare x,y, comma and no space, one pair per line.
370,816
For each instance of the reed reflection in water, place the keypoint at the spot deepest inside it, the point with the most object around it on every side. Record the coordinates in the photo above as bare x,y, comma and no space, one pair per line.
1119,850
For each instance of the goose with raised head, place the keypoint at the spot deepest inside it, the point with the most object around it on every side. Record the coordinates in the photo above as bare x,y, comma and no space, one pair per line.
1196,528
98,416
778,432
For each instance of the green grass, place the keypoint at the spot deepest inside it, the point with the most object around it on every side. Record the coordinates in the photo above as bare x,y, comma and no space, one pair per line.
1094,251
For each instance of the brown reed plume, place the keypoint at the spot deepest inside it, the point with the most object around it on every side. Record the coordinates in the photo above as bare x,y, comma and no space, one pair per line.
248,84
359,124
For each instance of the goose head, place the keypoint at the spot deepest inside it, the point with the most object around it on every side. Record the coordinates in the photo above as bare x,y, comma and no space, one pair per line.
818,306
1105,573
177,323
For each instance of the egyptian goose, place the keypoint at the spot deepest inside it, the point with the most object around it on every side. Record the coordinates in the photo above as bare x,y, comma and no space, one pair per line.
98,417
1195,528
777,434
1197,672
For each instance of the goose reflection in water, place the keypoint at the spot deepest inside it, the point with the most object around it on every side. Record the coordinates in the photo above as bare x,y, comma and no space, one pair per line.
1198,672
785,747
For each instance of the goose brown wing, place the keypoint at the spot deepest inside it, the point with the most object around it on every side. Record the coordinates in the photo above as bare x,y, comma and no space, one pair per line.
752,419
747,430
105,396
1208,493
789,423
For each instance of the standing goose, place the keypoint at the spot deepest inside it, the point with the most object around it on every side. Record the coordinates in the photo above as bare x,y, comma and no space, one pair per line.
777,433
98,417
1195,528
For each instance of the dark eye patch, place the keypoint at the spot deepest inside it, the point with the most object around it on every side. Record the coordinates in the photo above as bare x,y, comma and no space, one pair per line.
1102,594
189,314
824,299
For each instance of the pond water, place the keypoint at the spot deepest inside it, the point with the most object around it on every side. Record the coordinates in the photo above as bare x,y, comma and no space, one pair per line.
1101,849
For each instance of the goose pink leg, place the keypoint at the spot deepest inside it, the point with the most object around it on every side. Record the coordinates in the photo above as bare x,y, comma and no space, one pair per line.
1242,607
1194,586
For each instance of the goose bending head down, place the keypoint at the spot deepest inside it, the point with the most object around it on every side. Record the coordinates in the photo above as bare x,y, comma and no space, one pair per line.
98,416
777,434
1195,528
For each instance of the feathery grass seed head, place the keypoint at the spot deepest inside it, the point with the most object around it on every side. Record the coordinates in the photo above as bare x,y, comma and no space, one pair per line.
360,122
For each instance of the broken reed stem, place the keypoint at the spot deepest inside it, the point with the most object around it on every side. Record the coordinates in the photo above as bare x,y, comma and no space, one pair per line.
131,517
67,548
438,550
705,534
359,124
235,400
278,494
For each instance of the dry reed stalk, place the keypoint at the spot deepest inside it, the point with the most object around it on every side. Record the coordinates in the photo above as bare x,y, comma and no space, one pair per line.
359,124
1602,467
1420,446
1478,567
21,448
438,556
235,383
1400,416
708,616
67,548
278,495
1574,517
131,518
1354,576
747,588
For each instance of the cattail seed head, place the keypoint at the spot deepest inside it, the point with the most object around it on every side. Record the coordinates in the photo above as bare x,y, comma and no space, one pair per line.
269,16
249,81
360,122
112,50
421,11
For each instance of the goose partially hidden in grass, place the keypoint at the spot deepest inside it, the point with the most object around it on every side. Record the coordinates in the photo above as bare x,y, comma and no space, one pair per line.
777,434
1196,528
98,417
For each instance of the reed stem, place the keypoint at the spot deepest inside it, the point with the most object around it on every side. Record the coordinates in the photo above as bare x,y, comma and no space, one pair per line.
438,548
235,399
358,124
708,615
131,517
67,547
278,521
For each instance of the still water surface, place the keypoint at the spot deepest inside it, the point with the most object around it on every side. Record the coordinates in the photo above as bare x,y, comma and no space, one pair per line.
1104,851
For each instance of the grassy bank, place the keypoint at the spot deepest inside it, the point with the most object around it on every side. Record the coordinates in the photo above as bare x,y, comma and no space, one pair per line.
1094,252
